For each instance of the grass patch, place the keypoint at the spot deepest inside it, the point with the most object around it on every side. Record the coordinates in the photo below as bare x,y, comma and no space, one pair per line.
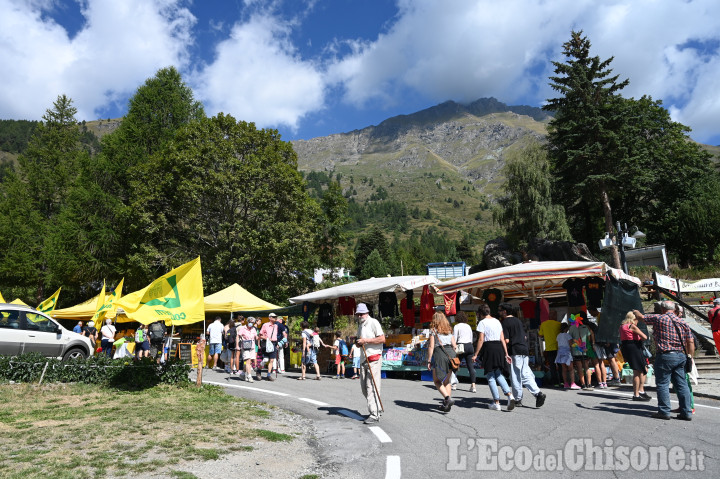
53,431
272,436
183,475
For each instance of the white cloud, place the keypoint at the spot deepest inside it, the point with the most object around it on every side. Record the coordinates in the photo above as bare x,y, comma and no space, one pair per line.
258,76
464,50
119,46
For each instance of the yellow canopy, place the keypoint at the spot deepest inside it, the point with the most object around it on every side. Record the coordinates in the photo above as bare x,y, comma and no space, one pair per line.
81,312
18,301
235,298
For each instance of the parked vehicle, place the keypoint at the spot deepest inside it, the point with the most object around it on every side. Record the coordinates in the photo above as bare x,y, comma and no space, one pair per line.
24,330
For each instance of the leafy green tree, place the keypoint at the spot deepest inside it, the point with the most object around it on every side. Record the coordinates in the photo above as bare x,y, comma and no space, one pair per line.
34,197
585,148
231,194
374,266
367,243
527,210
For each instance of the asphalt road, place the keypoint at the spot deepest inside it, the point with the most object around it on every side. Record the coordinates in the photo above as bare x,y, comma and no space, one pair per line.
599,433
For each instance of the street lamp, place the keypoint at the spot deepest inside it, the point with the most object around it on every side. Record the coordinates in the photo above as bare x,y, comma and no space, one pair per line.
624,242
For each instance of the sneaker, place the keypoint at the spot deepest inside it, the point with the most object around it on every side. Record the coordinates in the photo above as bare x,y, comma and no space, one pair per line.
683,417
602,386
371,420
472,389
511,403
518,403
587,387
645,395
494,407
540,399
641,398
574,386
354,377
336,377
448,404
613,382
270,378
250,379
567,385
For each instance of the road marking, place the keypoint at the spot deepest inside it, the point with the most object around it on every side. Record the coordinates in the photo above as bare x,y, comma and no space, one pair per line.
312,401
392,467
246,387
381,435
655,399
350,414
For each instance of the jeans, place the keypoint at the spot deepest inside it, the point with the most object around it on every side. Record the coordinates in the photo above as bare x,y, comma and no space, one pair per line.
467,355
496,376
671,367
521,375
107,345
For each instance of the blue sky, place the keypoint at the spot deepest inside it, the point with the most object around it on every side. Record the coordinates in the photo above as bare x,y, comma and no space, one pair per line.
316,67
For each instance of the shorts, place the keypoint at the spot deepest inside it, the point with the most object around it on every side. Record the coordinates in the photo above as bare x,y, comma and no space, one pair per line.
311,356
144,346
600,351
580,357
215,348
611,350
339,359
357,362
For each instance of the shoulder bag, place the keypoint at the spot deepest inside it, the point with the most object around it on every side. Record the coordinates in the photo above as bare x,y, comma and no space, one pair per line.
454,362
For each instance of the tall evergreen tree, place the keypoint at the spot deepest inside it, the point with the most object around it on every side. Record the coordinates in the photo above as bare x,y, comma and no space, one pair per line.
583,141
35,196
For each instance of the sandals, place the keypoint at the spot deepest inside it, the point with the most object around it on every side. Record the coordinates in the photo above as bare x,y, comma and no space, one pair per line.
317,379
301,379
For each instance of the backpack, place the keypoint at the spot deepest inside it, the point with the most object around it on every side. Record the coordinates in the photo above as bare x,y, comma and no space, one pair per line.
316,341
156,331
139,336
343,348
231,337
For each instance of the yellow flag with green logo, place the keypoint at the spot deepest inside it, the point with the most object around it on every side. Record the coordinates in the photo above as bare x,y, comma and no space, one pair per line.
176,298
48,306
106,302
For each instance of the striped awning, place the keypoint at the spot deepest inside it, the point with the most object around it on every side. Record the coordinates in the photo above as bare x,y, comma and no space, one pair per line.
531,279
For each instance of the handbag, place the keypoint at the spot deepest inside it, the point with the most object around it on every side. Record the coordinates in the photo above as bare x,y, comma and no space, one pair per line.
453,362
688,359
247,344
269,348
646,351
460,349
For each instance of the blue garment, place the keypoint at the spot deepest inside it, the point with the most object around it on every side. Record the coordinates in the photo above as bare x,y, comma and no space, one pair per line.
496,376
671,367
77,329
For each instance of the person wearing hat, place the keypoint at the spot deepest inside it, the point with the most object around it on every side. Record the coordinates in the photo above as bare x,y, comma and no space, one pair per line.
370,336
714,318
269,332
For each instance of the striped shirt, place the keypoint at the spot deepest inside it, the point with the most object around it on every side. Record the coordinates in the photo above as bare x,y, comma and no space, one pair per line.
666,334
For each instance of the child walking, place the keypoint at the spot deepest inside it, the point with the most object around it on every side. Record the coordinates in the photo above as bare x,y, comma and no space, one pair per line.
355,354
564,357
341,351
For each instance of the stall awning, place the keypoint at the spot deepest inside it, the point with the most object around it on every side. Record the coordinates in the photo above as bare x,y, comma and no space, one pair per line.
367,290
235,298
532,279
81,312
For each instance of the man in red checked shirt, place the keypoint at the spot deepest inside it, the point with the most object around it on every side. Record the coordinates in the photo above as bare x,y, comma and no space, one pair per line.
714,318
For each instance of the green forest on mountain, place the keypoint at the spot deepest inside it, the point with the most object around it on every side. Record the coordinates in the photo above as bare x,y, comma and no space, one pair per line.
170,184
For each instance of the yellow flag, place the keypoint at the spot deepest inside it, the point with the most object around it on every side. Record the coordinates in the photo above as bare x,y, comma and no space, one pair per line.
48,306
176,298
2,300
18,301
106,303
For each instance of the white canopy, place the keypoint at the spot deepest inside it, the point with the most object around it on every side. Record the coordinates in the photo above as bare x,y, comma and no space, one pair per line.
367,290
531,279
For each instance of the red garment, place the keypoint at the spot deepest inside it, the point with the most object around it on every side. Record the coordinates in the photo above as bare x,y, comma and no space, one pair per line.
347,305
544,306
528,309
450,304
408,314
714,317
427,305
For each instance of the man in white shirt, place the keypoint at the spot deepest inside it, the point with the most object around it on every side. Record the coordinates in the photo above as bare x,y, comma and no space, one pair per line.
215,333
371,336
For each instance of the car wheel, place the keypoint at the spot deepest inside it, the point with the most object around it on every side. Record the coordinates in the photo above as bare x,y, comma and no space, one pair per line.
75,354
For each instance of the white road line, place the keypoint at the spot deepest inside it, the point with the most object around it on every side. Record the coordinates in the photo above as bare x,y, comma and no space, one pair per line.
655,399
392,467
245,387
312,401
381,435
350,414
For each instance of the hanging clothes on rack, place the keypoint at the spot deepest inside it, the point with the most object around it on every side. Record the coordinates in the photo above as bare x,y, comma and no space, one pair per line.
594,290
492,297
325,316
450,304
346,305
407,308
427,305
388,305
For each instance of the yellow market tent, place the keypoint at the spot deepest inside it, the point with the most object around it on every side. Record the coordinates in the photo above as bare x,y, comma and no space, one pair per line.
81,312
235,298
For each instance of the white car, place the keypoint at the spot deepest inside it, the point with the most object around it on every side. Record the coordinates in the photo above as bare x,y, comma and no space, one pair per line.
25,330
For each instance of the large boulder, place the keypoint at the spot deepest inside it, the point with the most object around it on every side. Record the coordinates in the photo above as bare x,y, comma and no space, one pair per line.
498,254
